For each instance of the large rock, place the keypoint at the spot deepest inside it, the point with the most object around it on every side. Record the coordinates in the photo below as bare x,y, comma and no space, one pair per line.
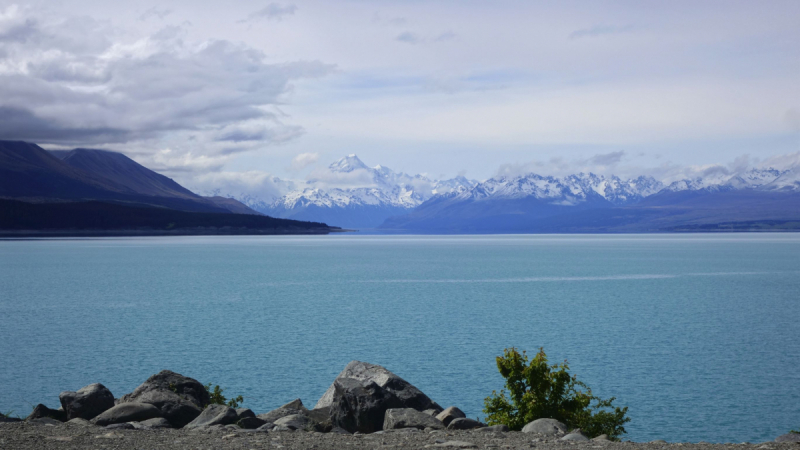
361,394
788,437
463,423
250,423
214,415
180,399
127,412
547,427
298,422
409,418
87,402
449,414
40,411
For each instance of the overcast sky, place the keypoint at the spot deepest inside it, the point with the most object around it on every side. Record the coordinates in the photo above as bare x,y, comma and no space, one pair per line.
213,91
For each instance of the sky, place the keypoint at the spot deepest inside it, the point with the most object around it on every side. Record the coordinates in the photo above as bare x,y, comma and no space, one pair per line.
235,93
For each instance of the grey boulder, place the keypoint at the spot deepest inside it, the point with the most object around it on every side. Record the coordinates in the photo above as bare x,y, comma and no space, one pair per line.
127,412
180,399
158,422
87,402
575,436
547,427
462,423
361,394
242,413
409,418
449,414
45,421
250,423
298,422
120,426
293,407
41,410
213,415
788,437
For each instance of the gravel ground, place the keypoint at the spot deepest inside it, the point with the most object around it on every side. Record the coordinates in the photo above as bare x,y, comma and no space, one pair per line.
25,436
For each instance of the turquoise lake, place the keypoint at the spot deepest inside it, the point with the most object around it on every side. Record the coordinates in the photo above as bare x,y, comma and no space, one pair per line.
698,334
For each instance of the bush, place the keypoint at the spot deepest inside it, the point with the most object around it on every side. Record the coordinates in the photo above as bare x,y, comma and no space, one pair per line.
537,390
216,397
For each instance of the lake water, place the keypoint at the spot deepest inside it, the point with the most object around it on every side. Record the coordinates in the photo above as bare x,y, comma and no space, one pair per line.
698,334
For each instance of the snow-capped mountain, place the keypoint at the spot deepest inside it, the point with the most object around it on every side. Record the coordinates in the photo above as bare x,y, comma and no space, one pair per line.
374,194
566,191
761,179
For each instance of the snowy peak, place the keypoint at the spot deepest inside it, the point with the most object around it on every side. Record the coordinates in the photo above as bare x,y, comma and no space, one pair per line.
348,164
760,179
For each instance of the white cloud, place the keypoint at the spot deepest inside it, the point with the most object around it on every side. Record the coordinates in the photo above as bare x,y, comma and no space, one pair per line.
303,160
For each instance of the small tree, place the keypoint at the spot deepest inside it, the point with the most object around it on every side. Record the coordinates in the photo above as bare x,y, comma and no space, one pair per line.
216,398
538,390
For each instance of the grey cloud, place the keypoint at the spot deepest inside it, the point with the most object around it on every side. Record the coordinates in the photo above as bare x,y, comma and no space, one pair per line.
139,90
600,30
607,159
273,11
408,37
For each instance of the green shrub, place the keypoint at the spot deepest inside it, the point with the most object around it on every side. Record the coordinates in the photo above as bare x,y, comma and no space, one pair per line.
538,390
216,397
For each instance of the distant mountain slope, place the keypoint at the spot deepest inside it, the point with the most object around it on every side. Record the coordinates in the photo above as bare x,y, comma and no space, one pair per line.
592,203
28,172
125,171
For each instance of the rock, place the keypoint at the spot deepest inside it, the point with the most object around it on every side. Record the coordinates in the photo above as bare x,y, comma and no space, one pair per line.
158,422
45,421
575,435
120,426
601,438
80,422
449,414
297,422
361,394
127,412
788,437
495,428
4,419
243,413
337,430
180,399
40,411
293,407
547,427
250,423
87,402
462,423
409,418
213,415
266,427
432,412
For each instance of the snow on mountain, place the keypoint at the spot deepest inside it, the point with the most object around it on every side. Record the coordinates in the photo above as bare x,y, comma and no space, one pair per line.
761,179
569,190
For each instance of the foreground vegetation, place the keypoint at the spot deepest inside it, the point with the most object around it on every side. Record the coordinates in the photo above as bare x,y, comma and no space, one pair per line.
538,390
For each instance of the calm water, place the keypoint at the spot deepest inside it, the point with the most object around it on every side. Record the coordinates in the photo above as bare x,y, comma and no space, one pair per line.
698,334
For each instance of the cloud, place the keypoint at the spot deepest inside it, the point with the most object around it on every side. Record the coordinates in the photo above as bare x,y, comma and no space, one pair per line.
253,185
303,160
155,11
446,36
74,81
408,37
601,30
273,11
607,159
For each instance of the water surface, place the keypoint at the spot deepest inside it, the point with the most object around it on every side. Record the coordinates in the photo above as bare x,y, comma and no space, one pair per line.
697,334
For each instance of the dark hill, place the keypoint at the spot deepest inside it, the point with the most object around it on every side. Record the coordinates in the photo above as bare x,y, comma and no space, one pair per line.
109,219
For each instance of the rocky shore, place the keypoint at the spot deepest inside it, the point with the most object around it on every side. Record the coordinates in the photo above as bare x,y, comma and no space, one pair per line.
366,407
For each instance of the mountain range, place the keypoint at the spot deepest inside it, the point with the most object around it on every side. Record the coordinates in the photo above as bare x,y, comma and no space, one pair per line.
388,201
